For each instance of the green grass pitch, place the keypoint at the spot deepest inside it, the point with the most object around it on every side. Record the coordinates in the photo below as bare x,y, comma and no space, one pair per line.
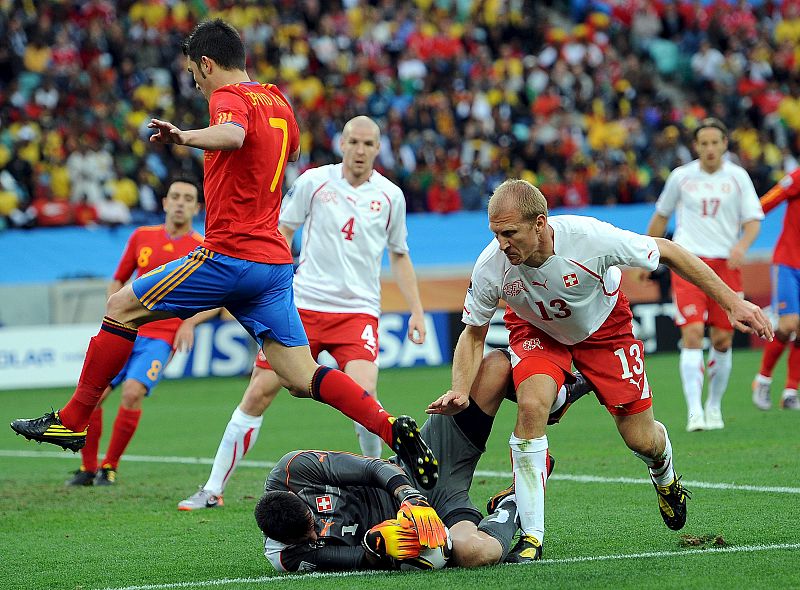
603,526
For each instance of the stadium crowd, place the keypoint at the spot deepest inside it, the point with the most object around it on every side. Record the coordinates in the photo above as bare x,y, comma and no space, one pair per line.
592,101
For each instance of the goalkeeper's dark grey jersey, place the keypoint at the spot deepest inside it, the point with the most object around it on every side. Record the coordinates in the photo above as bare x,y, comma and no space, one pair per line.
348,494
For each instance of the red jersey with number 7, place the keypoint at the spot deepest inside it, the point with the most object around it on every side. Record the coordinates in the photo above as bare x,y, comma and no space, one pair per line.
787,250
149,247
243,187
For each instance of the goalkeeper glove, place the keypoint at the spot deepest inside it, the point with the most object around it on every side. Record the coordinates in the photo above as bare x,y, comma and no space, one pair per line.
430,527
392,539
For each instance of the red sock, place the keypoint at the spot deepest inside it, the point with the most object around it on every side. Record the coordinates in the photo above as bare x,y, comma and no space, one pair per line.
124,428
793,371
89,450
107,354
336,389
772,352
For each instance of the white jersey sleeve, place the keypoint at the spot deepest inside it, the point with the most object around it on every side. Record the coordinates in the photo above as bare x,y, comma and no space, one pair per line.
750,204
622,247
485,287
296,203
668,199
397,238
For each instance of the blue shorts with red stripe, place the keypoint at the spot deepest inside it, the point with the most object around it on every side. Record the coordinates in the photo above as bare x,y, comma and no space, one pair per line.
146,363
259,295
785,289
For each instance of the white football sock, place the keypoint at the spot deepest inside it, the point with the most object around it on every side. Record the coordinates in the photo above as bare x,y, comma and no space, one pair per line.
240,436
371,444
529,457
691,367
719,372
661,469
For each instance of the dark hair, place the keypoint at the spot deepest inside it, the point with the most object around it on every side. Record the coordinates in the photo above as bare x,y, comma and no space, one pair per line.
283,516
217,40
711,122
188,180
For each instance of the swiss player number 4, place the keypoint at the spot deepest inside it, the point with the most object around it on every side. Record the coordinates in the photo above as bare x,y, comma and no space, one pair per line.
348,229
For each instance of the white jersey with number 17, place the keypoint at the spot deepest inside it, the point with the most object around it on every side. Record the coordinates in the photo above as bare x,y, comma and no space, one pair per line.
710,208
345,234
574,291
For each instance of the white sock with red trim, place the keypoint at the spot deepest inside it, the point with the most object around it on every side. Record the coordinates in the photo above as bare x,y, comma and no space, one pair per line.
692,365
529,457
240,436
719,372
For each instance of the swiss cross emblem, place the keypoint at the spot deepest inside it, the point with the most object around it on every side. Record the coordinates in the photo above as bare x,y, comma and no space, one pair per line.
570,280
375,206
532,344
324,504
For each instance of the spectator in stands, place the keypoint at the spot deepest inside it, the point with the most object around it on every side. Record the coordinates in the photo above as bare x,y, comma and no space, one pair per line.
443,197
465,78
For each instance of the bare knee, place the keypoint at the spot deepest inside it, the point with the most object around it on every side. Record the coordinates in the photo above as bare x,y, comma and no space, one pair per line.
124,307
478,550
133,393
258,396
692,335
649,443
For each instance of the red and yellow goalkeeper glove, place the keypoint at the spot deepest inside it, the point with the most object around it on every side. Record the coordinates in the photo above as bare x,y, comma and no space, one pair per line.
430,527
395,538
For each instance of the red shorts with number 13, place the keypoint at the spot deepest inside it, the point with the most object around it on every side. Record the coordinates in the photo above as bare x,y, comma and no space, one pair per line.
611,358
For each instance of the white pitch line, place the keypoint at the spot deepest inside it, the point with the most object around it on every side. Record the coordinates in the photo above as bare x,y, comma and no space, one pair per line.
566,560
480,473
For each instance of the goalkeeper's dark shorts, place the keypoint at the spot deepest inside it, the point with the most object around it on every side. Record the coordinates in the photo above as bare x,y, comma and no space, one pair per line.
458,443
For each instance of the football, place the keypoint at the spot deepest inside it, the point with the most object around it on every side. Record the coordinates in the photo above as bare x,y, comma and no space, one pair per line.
430,559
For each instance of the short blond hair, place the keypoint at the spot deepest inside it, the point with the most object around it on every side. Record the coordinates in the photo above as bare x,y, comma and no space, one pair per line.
362,121
529,200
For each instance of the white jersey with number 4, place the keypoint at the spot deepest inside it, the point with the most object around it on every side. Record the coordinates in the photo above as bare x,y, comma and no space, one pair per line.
710,208
574,291
345,234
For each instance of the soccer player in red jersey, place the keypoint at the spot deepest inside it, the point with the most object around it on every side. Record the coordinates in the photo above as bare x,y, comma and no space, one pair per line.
148,248
785,296
245,264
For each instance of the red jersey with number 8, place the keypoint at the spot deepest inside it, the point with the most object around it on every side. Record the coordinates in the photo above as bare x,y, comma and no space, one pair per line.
243,187
148,248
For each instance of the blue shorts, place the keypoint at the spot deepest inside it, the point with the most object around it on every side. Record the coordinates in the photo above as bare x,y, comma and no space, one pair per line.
259,295
146,363
785,289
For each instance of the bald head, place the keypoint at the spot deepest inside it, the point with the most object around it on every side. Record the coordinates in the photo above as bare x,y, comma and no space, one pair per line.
360,143
361,124
520,196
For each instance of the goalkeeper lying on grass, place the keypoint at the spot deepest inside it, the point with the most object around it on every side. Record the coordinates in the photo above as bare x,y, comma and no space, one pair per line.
326,510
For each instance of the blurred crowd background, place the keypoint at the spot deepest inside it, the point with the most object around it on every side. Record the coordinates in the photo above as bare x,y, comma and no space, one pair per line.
593,101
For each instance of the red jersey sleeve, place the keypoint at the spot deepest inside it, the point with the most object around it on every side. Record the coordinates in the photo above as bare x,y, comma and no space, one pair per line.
228,106
787,188
127,263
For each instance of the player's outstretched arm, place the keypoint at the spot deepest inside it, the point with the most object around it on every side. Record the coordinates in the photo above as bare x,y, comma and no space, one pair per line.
215,138
744,316
467,359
